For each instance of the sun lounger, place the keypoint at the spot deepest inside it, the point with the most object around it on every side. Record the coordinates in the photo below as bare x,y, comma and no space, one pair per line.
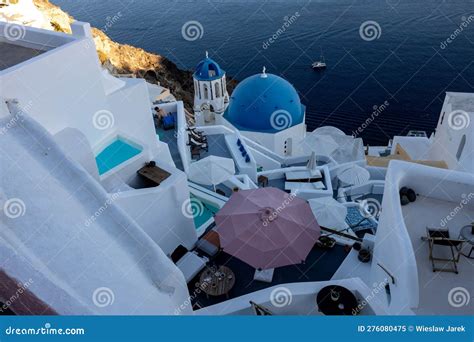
195,152
207,247
194,143
198,137
303,175
293,186
191,264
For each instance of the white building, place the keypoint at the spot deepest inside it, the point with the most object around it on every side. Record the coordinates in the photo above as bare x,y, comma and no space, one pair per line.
453,140
98,131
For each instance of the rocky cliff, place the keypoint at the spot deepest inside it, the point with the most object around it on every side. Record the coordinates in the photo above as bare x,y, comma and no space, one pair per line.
119,58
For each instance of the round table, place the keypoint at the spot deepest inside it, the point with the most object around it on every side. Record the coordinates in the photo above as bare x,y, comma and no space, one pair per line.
466,234
337,300
217,280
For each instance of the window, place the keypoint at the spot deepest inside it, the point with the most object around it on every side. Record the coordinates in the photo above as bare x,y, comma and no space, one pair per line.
212,70
206,92
218,89
461,147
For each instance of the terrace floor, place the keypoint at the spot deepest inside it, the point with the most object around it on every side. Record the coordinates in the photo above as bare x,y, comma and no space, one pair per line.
320,265
217,146
436,286
11,54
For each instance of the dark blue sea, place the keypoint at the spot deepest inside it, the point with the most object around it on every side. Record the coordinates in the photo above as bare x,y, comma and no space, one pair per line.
406,59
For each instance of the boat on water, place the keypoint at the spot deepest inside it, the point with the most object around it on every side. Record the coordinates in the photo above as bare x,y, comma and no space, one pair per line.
318,65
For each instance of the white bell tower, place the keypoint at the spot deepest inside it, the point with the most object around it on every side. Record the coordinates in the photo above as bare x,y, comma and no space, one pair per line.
210,91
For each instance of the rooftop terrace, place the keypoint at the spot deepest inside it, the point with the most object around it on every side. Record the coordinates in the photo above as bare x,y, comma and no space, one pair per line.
321,264
435,287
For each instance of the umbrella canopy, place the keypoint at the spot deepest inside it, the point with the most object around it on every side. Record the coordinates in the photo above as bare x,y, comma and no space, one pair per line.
322,144
211,170
329,212
267,228
353,175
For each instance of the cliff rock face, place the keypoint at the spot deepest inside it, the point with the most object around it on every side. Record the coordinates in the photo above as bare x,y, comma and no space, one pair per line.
118,58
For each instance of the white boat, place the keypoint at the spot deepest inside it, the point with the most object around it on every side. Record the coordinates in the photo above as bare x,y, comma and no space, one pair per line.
321,64
318,65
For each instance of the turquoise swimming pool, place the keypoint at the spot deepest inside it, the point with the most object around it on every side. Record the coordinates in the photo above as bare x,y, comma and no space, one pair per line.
115,154
202,211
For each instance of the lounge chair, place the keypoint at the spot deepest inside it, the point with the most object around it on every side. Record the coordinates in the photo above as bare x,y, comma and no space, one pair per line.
188,262
209,244
203,146
207,247
441,237
198,137
195,152
303,175
294,186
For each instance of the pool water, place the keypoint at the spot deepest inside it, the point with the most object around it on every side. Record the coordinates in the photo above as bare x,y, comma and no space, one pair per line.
115,154
202,211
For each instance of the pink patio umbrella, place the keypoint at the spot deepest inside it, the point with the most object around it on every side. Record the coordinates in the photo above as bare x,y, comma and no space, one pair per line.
267,228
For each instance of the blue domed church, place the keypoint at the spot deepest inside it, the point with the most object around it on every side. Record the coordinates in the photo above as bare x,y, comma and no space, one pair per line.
264,107
210,91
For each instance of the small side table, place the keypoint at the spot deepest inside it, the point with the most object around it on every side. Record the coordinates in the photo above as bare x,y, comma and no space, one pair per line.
466,234
217,281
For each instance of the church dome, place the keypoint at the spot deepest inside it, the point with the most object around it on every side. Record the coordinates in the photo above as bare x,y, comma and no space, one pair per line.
264,103
208,70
